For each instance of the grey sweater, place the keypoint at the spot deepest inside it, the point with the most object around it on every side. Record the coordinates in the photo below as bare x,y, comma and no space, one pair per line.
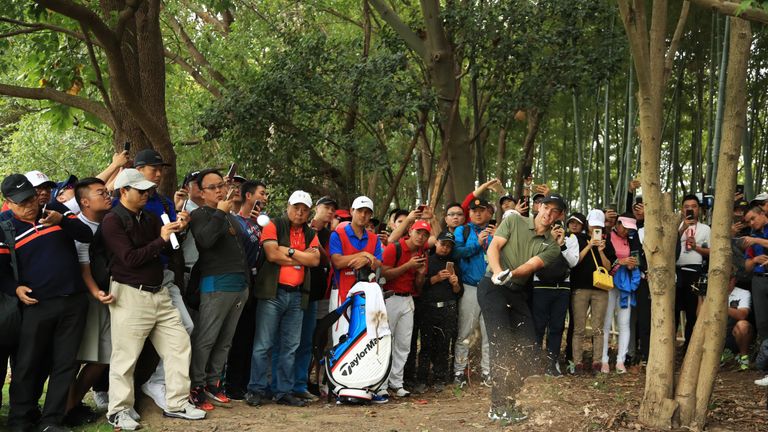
216,236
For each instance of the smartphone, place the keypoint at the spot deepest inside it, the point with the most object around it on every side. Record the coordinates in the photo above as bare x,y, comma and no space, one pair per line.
740,189
492,222
421,207
258,204
639,199
689,214
184,205
232,171
449,267
635,254
127,146
229,194
559,223
597,234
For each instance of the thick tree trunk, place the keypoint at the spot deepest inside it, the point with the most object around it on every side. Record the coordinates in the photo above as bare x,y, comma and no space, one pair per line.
501,156
652,63
702,360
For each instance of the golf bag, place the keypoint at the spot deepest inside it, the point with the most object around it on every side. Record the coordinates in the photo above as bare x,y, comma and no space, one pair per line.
359,364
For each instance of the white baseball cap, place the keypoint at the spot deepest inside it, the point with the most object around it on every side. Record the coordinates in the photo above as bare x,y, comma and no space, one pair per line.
132,178
38,179
362,202
596,217
300,197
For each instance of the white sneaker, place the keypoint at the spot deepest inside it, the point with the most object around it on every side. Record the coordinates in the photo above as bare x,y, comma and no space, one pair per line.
134,415
156,392
101,399
762,382
188,412
123,421
401,392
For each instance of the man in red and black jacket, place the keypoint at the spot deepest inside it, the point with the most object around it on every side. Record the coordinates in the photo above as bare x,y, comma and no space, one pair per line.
404,266
54,300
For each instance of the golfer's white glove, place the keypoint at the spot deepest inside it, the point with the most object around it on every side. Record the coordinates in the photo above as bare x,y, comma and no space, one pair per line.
502,277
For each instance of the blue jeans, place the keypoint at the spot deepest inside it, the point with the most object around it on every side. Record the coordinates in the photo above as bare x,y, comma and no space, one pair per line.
303,354
278,328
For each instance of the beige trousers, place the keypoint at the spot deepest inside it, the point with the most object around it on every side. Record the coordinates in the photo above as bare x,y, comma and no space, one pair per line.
582,300
138,315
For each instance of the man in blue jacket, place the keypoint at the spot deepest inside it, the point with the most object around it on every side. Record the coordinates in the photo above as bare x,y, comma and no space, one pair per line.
472,240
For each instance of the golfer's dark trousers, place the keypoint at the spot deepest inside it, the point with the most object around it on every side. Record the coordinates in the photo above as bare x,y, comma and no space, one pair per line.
410,370
643,311
512,339
51,329
6,352
439,325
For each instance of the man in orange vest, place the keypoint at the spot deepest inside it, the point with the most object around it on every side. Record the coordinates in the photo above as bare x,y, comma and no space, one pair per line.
352,247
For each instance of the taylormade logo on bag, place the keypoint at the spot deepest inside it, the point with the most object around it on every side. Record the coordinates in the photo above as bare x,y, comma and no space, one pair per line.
346,368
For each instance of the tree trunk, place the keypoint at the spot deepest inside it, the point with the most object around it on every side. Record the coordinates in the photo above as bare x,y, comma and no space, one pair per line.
579,153
501,156
652,63
702,360
720,104
526,159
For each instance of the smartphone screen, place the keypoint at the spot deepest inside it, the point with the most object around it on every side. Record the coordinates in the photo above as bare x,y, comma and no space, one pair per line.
127,146
597,234
689,214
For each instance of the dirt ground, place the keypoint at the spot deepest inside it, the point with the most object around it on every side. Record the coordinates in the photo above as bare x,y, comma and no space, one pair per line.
596,403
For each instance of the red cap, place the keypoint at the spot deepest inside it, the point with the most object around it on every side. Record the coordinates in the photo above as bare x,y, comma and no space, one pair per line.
343,214
421,225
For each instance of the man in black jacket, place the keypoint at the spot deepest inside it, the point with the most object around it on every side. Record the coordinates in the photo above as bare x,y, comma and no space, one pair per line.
224,279
54,303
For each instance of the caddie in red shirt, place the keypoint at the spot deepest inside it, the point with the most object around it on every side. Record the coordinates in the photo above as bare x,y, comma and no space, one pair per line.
404,267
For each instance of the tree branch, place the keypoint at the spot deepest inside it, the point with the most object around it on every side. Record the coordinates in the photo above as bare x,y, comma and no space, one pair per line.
196,54
125,15
97,71
409,36
670,57
41,26
80,13
207,17
46,93
731,8
194,73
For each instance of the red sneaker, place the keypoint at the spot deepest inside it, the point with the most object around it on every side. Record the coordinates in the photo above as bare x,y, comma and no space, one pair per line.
216,394
197,398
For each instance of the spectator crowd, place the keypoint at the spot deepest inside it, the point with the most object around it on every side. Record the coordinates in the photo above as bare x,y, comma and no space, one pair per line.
201,299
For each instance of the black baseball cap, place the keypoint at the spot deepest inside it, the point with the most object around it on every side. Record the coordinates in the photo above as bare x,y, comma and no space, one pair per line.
446,236
17,188
63,185
537,195
148,157
557,200
479,202
190,177
505,198
328,201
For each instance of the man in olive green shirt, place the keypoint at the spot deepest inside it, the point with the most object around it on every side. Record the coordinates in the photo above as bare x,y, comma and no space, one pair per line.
520,247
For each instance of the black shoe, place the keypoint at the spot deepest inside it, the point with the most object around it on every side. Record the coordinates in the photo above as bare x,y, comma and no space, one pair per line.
553,370
254,399
291,400
79,415
419,388
234,394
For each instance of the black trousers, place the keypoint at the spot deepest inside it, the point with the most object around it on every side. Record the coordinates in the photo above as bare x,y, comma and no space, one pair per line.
549,308
686,300
643,311
512,339
238,371
6,353
51,329
569,333
438,327
410,369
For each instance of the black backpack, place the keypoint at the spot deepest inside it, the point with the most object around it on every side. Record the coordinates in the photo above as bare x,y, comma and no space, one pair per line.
10,314
100,256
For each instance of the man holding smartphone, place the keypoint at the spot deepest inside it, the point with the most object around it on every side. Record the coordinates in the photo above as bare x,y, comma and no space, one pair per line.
404,266
694,247
472,240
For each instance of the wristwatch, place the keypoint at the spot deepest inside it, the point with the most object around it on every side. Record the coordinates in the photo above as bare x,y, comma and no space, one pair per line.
291,251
